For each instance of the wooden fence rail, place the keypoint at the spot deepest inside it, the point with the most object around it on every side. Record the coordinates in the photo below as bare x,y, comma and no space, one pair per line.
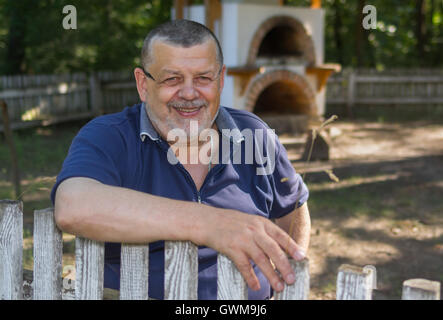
181,269
355,88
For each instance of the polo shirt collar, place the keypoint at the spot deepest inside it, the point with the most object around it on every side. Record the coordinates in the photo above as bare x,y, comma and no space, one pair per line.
224,121
146,127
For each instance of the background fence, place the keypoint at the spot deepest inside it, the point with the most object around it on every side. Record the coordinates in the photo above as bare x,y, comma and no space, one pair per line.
181,269
45,99
399,87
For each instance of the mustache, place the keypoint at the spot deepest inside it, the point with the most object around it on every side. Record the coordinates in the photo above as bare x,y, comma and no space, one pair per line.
187,103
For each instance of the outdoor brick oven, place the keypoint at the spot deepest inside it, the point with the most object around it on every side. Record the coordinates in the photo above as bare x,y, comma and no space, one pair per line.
274,56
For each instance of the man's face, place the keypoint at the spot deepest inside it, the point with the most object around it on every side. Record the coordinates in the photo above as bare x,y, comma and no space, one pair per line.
187,87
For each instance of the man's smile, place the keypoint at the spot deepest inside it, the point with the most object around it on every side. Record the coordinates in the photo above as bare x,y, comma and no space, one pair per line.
187,112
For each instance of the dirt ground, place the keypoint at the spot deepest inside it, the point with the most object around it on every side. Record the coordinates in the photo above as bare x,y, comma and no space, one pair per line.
386,210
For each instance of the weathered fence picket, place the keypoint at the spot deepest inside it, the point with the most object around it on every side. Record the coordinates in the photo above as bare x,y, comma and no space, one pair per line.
420,289
48,252
354,283
134,270
89,269
299,290
181,269
11,250
230,283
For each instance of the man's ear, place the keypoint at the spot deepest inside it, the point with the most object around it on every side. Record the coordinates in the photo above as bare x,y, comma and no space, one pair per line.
140,80
222,77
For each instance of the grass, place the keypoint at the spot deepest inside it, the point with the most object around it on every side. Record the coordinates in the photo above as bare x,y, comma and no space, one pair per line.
41,152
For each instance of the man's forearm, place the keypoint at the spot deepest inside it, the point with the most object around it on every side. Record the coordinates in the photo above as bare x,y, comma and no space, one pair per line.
90,209
298,225
100,212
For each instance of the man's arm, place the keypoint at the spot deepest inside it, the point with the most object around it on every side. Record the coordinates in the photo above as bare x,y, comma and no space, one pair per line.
298,225
93,210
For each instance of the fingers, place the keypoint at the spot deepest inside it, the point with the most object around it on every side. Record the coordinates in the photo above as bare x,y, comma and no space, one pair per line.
246,270
286,242
280,260
245,237
263,262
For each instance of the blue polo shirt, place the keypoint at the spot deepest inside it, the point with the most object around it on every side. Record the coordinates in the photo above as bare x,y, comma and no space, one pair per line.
123,149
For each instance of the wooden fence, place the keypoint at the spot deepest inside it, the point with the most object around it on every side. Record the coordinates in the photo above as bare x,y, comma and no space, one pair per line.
181,269
44,99
47,99
362,87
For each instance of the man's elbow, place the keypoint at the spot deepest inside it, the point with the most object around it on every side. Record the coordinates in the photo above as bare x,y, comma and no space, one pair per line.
66,210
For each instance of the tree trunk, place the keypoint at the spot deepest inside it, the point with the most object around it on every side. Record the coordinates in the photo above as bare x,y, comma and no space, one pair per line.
337,35
420,31
13,153
15,47
359,33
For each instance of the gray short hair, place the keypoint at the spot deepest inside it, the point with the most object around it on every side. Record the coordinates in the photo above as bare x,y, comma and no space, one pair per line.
183,33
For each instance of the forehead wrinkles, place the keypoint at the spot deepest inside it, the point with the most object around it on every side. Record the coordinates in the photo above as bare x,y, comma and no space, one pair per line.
167,57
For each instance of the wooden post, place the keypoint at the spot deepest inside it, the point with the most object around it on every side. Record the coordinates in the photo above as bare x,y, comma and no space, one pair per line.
212,13
179,8
89,269
355,283
10,142
299,290
421,289
230,283
11,250
351,93
48,252
96,95
134,272
315,4
181,270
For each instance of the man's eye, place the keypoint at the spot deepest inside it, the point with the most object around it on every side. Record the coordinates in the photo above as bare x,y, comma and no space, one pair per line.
171,81
204,80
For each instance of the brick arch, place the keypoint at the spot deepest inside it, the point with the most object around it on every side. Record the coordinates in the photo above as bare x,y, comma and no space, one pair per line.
295,87
303,39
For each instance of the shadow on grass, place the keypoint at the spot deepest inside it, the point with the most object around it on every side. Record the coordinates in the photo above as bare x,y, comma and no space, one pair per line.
412,190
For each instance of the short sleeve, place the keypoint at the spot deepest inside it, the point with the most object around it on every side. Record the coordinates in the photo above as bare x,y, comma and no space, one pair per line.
96,152
288,187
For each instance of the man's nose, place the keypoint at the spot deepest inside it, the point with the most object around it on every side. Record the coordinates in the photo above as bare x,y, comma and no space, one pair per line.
187,91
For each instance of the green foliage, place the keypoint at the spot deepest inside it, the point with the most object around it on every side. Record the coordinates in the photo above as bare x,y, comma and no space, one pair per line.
392,44
110,34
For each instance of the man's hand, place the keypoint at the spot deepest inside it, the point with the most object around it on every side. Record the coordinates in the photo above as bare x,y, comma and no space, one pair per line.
90,209
242,237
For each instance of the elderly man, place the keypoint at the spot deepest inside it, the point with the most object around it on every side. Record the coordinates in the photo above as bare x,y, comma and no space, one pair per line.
119,185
